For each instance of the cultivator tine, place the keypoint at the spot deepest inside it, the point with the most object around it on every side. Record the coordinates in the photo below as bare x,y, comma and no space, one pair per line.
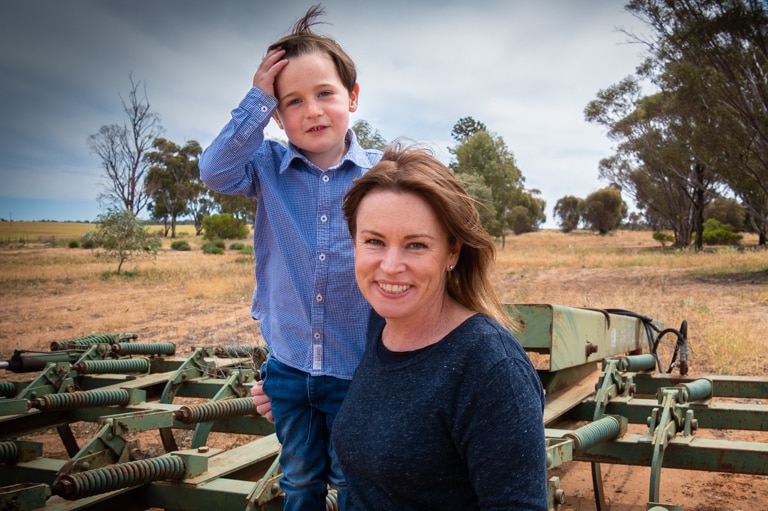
601,372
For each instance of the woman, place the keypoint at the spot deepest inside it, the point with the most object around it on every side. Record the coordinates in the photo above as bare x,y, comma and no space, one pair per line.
445,410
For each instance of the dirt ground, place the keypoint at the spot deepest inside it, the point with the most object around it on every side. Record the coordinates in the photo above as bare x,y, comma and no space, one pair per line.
193,322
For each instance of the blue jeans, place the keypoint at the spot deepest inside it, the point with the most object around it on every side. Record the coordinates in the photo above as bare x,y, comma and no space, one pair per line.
304,408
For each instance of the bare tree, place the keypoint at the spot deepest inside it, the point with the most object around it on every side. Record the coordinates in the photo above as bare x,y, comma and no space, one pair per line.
122,150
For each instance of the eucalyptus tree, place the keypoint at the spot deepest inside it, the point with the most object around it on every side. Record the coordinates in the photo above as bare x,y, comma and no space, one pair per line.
603,210
487,159
714,53
367,136
172,177
568,210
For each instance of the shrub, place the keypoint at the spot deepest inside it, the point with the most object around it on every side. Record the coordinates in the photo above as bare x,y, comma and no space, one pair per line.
212,248
663,238
121,237
237,246
224,226
181,245
73,244
716,233
89,240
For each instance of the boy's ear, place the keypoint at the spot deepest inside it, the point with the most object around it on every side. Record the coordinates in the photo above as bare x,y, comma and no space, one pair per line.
353,96
277,120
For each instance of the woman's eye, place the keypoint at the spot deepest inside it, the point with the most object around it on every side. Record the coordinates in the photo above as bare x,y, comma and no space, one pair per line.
373,241
417,245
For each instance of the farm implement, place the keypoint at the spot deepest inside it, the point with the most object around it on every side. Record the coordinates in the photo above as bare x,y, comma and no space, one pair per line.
140,425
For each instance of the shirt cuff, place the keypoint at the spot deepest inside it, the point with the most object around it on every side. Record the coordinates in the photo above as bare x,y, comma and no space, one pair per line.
258,104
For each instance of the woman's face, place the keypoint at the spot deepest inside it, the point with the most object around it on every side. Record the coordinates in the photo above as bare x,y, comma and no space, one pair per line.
402,254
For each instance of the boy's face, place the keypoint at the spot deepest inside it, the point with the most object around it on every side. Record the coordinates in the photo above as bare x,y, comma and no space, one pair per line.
313,108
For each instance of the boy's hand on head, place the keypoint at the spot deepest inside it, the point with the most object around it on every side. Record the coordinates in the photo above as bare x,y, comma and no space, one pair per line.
270,66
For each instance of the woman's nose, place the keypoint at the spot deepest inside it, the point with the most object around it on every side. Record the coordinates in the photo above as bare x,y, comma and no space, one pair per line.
392,262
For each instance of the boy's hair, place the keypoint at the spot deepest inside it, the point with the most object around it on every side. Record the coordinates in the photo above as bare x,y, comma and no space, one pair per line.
413,169
302,41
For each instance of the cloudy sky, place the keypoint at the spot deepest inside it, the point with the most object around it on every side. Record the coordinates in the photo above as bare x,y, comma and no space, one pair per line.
524,68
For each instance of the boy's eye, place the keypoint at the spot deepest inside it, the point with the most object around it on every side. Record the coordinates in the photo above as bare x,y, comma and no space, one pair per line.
294,102
325,93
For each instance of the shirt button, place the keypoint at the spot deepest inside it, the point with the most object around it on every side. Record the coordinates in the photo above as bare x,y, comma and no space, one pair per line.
319,298
324,218
326,178
322,257
264,108
317,335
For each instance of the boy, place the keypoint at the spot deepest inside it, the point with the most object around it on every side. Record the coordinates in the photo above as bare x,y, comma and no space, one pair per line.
311,312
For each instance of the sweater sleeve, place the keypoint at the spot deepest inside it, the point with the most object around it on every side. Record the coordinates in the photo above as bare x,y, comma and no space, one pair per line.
502,437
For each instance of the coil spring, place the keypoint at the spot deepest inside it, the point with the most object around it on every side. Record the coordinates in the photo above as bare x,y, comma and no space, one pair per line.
88,340
7,389
121,475
233,351
193,414
332,501
82,399
148,348
8,452
128,365
595,432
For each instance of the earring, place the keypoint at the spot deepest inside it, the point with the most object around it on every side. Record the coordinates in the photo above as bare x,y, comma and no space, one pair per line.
450,268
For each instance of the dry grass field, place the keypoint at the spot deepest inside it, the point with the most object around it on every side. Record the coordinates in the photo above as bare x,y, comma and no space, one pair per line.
50,292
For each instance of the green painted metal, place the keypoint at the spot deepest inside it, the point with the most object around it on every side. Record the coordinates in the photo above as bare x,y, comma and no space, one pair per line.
24,497
573,336
598,372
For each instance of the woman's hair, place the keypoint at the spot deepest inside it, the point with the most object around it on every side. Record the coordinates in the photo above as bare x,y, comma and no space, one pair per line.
302,41
411,169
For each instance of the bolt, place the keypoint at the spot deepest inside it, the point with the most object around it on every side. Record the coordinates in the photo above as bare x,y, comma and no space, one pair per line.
560,496
203,449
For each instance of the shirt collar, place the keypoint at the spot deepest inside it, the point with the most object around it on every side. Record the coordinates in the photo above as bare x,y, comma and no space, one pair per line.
355,154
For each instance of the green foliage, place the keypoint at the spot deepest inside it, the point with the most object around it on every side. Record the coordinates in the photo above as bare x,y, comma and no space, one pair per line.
486,158
224,226
211,248
604,210
243,248
73,244
181,245
568,210
368,137
466,127
173,180
716,233
519,219
727,211
663,238
121,237
89,240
